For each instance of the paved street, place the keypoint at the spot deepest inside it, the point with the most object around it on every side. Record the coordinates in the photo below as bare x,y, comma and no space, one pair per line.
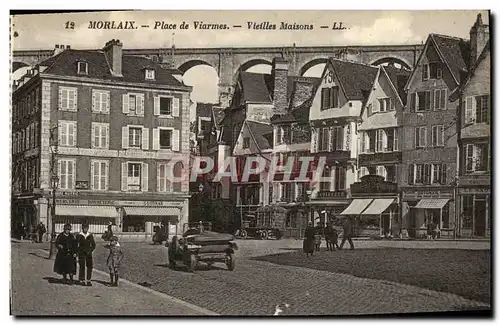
36,290
257,287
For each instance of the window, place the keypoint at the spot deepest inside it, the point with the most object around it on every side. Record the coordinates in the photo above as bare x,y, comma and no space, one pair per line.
324,139
482,108
339,178
271,192
439,174
391,174
288,192
440,99
133,104
477,157
135,137
83,68
246,142
165,139
67,99
420,137
423,99
165,106
164,185
330,97
386,104
423,173
134,176
411,174
381,138
67,133
286,134
432,70
325,184
438,135
100,135
392,139
66,171
100,101
338,138
363,171
100,172
150,74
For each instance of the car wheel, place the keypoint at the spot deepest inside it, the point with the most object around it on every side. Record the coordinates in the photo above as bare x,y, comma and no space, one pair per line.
264,234
231,262
244,234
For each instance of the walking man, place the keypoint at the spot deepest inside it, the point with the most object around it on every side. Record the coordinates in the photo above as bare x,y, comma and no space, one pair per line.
86,246
40,230
347,226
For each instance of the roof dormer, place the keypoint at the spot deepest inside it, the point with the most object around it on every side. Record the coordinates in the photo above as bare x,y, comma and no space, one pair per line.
82,67
149,73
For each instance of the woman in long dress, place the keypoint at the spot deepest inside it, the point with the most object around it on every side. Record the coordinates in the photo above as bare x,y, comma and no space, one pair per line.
308,245
65,263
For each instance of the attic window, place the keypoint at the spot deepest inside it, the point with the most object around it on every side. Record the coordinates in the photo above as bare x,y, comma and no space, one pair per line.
150,74
83,67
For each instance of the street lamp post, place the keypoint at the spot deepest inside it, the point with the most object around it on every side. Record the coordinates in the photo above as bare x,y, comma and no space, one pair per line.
54,184
311,213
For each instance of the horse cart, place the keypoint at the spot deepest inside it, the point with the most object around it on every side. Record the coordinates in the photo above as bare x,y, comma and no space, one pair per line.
200,244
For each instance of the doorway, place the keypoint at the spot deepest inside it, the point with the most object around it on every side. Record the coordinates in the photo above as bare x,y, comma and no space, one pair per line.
480,218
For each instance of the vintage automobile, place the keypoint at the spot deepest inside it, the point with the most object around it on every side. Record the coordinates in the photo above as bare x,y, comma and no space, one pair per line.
199,244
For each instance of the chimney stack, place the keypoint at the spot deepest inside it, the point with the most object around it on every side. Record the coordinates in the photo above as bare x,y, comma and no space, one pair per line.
479,36
280,76
60,48
113,52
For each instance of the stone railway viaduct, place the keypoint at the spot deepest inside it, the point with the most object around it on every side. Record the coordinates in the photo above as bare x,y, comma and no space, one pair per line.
229,61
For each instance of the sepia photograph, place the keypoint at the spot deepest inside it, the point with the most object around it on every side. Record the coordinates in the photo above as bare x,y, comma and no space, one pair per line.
251,163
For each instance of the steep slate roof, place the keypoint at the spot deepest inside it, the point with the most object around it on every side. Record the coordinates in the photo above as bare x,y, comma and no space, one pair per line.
255,87
399,78
455,51
98,68
356,79
262,133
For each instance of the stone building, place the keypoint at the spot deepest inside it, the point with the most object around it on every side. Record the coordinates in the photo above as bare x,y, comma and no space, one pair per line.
474,139
108,126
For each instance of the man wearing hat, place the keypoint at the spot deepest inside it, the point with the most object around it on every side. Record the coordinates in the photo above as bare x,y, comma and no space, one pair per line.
86,246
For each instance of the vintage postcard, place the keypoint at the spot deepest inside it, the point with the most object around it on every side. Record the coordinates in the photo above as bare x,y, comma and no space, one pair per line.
251,163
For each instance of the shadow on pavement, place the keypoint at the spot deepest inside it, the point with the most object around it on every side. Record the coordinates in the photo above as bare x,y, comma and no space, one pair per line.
183,268
105,283
53,280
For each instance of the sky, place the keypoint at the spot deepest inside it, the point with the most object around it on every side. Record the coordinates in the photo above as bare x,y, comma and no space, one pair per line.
363,28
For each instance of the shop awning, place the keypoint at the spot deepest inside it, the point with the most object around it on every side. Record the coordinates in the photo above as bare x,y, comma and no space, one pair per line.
151,211
377,207
431,203
356,207
86,211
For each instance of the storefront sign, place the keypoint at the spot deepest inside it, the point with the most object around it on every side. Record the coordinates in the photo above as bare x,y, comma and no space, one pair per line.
331,194
69,201
474,190
427,194
373,184
117,203
148,203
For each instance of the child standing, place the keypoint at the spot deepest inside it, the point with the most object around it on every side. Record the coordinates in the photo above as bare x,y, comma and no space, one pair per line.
114,260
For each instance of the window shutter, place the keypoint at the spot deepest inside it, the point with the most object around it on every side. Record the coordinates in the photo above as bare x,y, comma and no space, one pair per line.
424,136
145,174
60,98
145,138
156,139
92,174
156,109
417,137
322,97
125,108
158,179
444,98
314,140
411,174
384,140
125,143
431,104
392,104
332,131
175,107
340,138
94,134
94,108
72,163
106,174
443,175
124,176
73,125
75,100
59,170
413,102
140,104
106,138
424,72
362,141
175,140
396,140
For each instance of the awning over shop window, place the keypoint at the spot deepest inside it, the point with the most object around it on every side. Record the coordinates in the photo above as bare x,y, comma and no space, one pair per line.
356,207
431,203
378,206
151,211
86,211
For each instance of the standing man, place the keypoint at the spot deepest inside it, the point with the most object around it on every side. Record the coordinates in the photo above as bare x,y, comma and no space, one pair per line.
308,244
328,237
40,230
347,226
86,246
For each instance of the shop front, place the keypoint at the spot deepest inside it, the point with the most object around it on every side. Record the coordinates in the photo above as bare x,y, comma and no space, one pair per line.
326,207
23,214
422,207
474,206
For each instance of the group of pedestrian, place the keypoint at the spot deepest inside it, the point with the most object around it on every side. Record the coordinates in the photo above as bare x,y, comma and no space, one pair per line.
81,246
433,230
312,237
